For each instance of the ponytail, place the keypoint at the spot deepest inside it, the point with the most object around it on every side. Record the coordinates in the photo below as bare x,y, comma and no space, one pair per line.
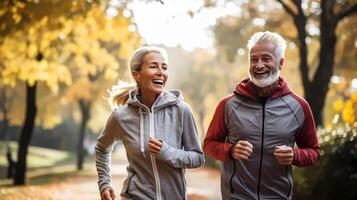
119,93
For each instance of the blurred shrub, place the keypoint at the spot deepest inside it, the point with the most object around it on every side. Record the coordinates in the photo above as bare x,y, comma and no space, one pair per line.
335,175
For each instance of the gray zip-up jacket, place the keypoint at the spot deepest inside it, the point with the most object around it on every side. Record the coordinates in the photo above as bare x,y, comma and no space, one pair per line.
162,177
281,119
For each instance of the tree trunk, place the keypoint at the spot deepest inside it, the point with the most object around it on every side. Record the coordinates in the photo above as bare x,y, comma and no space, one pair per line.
85,111
26,134
201,115
322,77
4,109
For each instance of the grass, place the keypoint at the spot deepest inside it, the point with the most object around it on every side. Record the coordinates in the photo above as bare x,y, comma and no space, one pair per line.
37,156
41,163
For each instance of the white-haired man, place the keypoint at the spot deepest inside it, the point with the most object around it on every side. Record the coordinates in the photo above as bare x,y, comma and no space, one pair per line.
254,130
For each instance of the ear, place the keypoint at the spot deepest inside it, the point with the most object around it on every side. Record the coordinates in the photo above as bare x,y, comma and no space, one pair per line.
136,75
281,62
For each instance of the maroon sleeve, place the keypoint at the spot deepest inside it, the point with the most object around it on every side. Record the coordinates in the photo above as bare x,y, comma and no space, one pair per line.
307,153
214,144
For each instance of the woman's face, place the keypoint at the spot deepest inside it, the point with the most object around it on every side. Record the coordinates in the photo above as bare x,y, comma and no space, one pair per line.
153,75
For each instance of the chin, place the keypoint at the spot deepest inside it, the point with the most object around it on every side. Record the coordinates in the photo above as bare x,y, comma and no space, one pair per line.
264,82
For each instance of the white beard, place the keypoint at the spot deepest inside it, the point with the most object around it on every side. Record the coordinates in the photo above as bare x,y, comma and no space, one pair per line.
266,81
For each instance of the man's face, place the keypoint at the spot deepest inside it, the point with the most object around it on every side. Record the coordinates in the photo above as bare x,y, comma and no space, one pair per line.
264,65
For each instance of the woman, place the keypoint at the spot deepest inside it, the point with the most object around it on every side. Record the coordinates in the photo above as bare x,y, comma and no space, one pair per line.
157,129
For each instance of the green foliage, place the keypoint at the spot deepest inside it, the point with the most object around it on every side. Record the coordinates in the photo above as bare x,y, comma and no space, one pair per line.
335,175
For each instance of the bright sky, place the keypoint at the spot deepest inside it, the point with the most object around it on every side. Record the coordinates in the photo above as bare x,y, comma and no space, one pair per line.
169,23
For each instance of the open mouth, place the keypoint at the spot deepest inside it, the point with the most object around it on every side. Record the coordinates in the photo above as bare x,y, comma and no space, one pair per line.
261,73
158,82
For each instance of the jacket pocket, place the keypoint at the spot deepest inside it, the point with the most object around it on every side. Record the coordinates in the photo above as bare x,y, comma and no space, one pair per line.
129,185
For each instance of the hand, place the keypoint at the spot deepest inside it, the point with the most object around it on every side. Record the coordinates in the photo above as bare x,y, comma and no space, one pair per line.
108,194
242,150
284,154
154,146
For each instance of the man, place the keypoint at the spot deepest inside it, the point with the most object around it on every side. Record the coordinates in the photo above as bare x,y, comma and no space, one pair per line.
253,130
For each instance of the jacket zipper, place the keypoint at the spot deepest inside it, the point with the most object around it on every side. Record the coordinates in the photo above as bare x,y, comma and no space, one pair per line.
261,151
231,179
153,161
287,175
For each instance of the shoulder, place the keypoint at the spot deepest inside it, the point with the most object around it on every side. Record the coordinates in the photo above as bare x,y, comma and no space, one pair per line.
225,100
304,104
120,111
184,106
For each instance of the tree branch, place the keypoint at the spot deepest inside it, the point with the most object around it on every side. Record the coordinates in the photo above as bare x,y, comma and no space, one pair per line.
347,12
287,8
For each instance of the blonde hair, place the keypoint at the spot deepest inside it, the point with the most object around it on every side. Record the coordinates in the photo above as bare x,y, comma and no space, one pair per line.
267,36
119,93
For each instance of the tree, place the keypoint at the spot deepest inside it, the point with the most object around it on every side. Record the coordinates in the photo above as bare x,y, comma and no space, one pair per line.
30,34
93,48
331,13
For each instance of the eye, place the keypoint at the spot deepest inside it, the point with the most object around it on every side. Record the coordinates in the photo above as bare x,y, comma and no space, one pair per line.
152,66
266,59
253,60
164,67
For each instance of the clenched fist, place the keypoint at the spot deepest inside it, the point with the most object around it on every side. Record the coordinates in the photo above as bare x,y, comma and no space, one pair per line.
242,150
284,154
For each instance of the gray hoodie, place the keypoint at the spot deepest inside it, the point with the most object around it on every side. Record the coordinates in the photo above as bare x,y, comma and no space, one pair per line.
169,120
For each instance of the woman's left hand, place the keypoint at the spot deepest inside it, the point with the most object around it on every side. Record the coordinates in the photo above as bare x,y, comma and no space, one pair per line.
154,146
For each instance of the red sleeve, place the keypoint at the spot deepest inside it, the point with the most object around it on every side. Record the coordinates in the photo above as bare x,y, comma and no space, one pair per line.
214,144
307,153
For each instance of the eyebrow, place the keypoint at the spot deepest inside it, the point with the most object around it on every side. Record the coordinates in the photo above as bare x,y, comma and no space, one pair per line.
153,62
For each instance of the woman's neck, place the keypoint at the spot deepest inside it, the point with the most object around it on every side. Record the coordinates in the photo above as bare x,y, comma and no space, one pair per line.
148,100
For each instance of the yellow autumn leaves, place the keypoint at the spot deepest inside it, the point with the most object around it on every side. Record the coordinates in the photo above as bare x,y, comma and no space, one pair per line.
347,108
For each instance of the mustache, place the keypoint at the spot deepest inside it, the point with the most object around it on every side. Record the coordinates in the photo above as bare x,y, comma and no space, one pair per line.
263,69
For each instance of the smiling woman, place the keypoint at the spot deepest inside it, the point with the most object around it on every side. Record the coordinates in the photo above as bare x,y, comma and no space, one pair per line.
157,129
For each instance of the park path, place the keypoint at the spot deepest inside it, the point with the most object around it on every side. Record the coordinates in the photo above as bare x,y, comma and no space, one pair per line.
203,184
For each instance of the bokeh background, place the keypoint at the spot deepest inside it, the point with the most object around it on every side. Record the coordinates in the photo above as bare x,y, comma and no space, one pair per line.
59,58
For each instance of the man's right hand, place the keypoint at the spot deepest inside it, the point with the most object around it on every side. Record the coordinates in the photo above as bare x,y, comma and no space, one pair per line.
242,150
108,194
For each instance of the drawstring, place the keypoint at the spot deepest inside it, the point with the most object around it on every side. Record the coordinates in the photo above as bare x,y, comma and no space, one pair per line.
141,132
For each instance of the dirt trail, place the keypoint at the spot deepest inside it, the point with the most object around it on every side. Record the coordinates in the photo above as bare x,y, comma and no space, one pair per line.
203,184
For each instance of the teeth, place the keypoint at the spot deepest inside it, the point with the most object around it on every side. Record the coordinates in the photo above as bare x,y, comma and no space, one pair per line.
158,81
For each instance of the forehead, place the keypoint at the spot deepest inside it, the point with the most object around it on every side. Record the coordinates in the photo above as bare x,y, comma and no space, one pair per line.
153,57
263,49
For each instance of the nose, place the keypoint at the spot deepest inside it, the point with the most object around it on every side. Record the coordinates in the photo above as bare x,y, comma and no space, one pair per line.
160,70
260,64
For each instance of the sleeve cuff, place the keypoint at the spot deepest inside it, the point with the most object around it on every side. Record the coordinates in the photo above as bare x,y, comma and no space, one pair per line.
104,186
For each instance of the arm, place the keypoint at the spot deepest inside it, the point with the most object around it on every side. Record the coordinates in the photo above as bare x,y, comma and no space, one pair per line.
103,150
214,143
191,156
307,153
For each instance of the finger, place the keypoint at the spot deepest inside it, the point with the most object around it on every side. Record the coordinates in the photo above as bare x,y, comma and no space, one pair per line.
154,151
106,196
245,153
112,194
286,151
245,143
284,155
244,148
155,141
154,147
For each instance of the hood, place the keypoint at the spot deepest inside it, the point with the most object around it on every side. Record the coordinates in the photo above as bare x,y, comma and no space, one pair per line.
248,89
166,98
